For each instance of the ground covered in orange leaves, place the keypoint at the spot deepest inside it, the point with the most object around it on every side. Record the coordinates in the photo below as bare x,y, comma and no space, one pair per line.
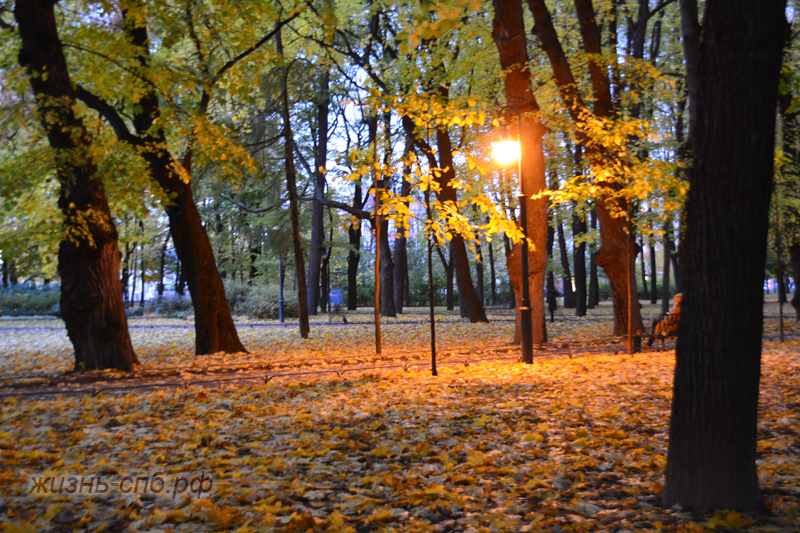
561,445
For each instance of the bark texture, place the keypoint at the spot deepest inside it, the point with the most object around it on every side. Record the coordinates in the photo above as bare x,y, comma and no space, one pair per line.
88,256
615,232
214,328
508,32
711,461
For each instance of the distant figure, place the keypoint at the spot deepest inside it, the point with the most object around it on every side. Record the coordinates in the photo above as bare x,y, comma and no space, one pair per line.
669,324
552,305
337,300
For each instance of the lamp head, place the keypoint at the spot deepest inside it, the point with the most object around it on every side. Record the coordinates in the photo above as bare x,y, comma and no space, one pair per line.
505,152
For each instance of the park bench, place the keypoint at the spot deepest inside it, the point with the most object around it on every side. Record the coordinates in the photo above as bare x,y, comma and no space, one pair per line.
666,326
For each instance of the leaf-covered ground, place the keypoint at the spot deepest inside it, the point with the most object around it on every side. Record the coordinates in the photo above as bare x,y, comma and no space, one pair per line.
560,445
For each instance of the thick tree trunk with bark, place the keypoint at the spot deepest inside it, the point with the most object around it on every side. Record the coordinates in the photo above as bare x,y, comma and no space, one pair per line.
89,256
615,233
214,328
711,461
508,32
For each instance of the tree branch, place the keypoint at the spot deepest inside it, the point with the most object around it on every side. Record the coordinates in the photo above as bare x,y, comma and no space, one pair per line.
108,112
227,66
358,213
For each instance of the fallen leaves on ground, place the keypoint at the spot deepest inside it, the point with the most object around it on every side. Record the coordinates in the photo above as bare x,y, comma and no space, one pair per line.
558,446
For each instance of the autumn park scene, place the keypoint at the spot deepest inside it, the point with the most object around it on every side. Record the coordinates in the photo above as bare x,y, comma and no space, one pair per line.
435,266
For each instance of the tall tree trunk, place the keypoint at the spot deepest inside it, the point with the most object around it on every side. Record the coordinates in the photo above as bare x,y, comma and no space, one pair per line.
141,298
653,275
644,271
401,288
794,258
387,271
354,253
291,187
132,299
665,281
220,240
353,257
12,272
508,33
566,276
479,270
88,256
214,327
676,267
317,218
458,250
512,304
711,459
161,267
594,282
615,231
449,287
579,262
255,251
492,275
126,273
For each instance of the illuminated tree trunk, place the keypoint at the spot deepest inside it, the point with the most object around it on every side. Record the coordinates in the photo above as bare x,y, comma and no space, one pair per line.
615,232
711,460
508,32
88,256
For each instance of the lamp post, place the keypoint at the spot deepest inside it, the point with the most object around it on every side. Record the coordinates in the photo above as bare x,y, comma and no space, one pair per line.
507,152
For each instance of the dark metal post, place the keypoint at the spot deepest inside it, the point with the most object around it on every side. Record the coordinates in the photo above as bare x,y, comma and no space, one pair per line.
430,284
280,285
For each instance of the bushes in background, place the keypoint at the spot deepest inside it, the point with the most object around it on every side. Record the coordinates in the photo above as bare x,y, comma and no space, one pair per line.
28,300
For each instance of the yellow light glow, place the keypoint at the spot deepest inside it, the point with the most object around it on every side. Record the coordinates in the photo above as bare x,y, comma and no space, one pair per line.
505,151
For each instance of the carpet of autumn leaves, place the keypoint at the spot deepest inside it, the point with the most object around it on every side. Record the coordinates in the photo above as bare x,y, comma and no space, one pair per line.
561,445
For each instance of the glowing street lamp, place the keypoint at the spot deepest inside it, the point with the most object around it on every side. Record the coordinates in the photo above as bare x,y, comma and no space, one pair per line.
507,152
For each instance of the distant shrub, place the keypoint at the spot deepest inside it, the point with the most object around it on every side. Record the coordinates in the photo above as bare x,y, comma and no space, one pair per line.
262,302
29,300
174,306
